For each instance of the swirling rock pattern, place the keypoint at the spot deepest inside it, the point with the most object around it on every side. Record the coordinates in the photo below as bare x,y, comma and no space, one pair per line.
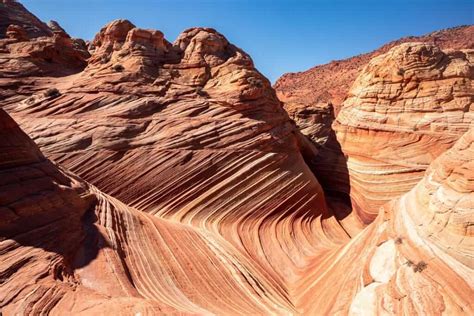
406,108
66,247
405,260
311,96
189,132
191,191
415,258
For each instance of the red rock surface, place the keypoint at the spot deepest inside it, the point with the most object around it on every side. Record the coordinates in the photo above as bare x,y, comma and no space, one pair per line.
191,133
56,55
181,186
13,12
415,258
406,108
67,248
311,98
330,83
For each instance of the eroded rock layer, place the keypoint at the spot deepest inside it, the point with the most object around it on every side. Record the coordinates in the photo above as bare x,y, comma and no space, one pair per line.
379,174
406,108
330,83
14,13
406,262
415,258
22,57
190,132
66,247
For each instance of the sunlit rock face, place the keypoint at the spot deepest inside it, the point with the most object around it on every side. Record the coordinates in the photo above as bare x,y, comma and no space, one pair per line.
67,248
330,83
404,262
22,58
29,47
406,108
415,258
314,98
171,180
189,132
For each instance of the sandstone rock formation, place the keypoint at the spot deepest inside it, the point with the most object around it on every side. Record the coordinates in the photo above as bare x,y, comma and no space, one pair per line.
21,56
189,132
181,186
406,108
67,248
405,259
313,96
331,82
13,12
415,258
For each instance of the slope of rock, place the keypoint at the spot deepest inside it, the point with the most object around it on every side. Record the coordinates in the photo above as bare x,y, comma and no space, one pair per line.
66,247
331,82
13,12
313,96
406,108
30,50
196,193
416,258
406,262
22,56
190,132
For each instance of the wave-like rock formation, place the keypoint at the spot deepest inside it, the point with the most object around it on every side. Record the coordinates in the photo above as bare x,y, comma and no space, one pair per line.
376,156
189,132
66,247
406,108
416,258
174,182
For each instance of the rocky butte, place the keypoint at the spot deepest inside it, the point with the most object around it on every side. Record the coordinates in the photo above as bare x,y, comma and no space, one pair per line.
142,176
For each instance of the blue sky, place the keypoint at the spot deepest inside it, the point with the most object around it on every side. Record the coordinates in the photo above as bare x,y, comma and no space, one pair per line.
281,36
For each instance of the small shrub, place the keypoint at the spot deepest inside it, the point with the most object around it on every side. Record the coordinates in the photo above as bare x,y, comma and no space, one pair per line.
52,93
118,68
174,73
420,266
140,47
122,53
255,82
200,91
401,71
409,263
398,240
31,100
104,59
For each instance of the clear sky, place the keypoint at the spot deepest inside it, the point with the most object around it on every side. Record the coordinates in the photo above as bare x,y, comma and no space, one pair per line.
281,36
